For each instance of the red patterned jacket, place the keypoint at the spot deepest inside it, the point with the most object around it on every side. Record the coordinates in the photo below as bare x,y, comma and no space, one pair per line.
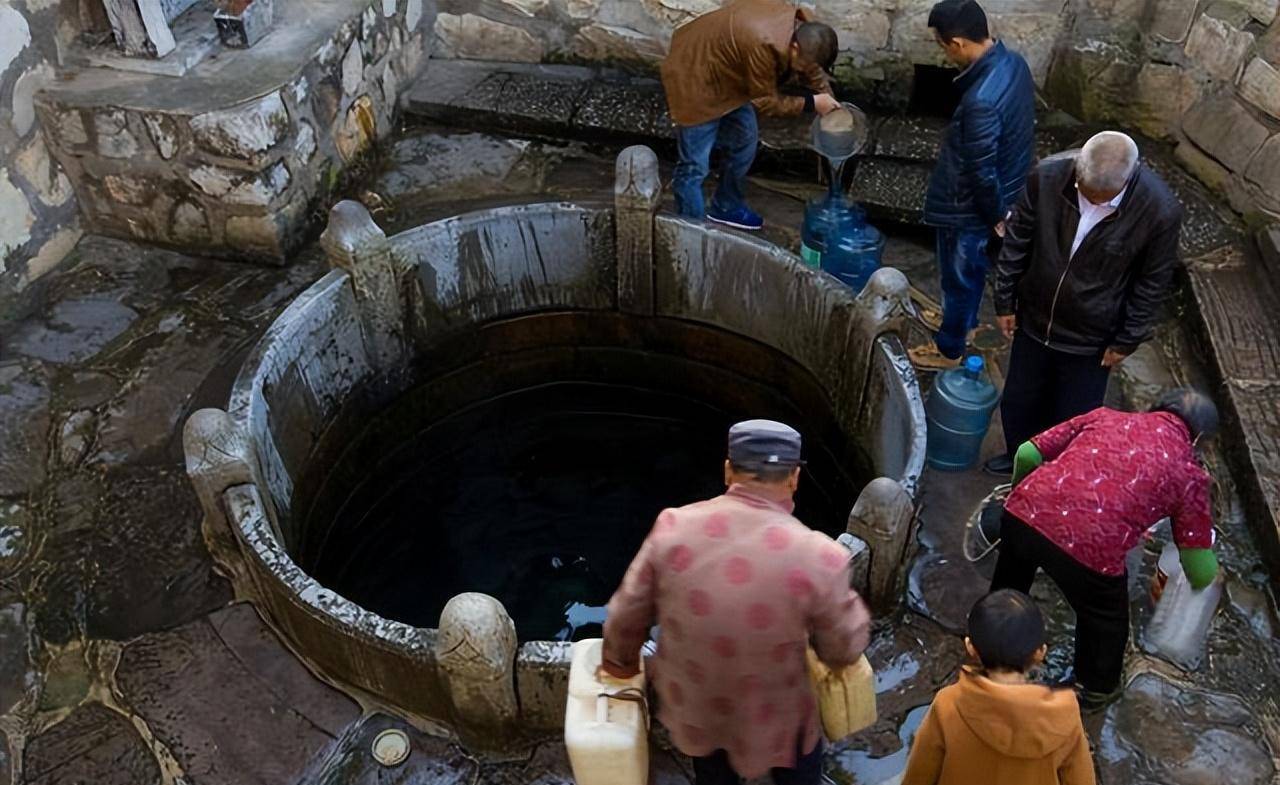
1107,477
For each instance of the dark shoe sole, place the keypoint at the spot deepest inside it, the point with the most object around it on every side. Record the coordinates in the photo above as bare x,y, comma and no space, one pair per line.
743,227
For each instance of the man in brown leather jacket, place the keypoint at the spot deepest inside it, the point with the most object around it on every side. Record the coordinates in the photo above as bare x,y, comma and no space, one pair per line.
722,68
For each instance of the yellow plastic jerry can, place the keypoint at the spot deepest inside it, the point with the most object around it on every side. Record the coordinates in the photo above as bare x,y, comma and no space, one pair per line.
846,698
606,722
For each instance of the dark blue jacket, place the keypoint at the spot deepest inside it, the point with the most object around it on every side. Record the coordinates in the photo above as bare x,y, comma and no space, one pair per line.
989,148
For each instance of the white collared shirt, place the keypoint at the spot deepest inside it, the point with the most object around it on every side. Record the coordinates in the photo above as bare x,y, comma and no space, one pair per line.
1093,214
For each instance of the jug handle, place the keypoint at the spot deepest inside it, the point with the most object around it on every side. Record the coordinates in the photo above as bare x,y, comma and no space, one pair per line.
633,694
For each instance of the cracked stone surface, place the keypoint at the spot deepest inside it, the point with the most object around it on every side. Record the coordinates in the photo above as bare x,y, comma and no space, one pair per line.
1163,733
350,761
24,425
92,745
282,715
15,663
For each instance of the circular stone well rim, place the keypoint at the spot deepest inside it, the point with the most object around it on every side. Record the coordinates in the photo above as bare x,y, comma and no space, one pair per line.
351,331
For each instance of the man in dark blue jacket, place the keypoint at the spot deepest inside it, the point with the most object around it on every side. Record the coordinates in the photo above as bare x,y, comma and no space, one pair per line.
986,155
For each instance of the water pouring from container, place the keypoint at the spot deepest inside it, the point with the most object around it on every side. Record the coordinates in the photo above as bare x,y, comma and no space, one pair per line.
836,237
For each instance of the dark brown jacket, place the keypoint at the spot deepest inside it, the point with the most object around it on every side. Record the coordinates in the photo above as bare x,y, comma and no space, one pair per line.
737,54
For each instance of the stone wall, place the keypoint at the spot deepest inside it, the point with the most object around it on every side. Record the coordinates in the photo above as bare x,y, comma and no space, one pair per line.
234,157
1201,75
38,218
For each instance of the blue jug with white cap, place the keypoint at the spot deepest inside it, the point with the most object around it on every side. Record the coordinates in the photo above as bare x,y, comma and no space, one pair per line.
958,413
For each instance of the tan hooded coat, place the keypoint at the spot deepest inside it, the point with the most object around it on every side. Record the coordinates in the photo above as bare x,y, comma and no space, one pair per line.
979,732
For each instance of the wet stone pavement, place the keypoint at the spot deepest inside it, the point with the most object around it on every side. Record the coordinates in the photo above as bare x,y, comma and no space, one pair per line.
124,657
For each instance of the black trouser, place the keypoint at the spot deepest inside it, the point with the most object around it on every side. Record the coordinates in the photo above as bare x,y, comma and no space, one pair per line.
1046,387
714,769
1101,602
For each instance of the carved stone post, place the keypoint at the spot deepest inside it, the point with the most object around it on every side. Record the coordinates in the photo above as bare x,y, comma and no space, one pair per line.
860,559
886,302
883,517
885,307
476,653
218,456
637,188
354,243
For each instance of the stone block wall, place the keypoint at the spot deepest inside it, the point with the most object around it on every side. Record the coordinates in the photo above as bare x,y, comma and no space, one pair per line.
38,216
1201,75
880,40
238,178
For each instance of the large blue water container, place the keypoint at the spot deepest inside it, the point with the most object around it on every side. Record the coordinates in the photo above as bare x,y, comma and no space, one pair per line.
958,412
821,217
854,249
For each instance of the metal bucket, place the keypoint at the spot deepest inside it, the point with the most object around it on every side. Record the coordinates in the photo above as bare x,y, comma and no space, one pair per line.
982,532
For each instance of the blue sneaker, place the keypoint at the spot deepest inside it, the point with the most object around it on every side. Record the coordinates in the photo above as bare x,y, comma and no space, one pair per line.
738,218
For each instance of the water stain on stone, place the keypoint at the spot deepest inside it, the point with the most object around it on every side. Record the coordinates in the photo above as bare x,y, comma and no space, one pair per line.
73,330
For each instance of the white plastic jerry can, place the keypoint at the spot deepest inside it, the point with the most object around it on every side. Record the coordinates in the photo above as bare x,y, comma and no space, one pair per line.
606,723
1179,629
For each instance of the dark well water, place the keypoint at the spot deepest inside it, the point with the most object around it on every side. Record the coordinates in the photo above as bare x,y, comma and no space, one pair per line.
532,464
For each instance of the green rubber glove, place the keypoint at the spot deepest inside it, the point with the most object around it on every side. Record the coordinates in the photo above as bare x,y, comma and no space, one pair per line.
1200,566
1025,461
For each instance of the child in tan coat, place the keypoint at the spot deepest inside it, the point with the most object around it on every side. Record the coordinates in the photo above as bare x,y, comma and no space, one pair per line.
993,727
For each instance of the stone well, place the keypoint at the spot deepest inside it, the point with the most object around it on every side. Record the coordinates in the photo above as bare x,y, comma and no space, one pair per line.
354,341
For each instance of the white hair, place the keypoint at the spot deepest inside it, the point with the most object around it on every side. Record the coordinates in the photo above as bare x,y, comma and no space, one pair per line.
1107,161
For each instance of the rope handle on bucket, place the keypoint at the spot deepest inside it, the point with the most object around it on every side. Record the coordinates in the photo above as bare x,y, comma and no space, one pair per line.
630,694
999,494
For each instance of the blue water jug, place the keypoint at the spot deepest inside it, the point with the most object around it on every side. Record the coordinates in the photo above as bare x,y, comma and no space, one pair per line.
821,217
854,249
958,412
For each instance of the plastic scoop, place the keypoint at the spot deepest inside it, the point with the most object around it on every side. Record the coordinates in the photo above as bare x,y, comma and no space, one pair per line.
840,134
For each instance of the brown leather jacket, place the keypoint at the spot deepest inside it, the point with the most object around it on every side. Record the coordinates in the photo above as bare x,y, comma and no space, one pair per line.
737,54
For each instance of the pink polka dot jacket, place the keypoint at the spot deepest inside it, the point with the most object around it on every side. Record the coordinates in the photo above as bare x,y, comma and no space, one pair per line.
1108,476
739,587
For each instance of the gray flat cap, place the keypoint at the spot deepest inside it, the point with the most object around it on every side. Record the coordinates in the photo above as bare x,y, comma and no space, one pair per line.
762,443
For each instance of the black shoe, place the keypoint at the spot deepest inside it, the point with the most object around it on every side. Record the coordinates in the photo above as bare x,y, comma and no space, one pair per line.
1000,466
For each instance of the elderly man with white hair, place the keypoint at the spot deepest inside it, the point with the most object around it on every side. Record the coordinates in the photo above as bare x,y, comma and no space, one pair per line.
1088,259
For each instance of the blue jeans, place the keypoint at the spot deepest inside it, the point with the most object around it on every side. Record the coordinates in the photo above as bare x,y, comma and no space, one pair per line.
962,263
737,135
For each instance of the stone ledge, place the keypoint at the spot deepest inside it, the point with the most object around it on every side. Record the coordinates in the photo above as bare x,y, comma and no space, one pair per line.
1236,319
233,156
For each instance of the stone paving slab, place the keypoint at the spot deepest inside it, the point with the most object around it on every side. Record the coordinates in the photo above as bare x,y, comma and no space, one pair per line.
1164,733
130,556
92,745
232,705
15,662
431,761
24,426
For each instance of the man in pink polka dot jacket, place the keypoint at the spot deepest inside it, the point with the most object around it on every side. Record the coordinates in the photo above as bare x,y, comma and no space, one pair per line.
739,587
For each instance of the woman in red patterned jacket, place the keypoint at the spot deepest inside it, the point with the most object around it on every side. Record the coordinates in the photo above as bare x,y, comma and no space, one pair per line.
1092,487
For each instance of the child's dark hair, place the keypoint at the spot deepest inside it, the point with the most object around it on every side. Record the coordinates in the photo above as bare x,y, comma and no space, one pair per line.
1007,628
